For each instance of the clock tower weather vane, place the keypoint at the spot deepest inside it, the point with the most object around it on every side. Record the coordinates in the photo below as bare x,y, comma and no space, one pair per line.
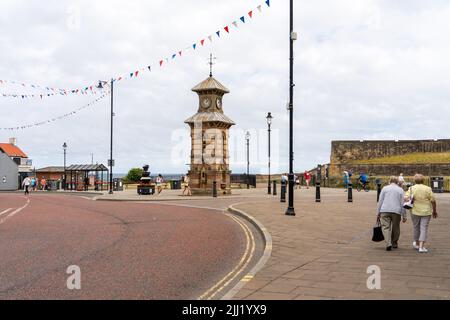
211,63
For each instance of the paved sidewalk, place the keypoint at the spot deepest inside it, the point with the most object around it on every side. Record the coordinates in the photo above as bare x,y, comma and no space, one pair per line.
324,252
175,195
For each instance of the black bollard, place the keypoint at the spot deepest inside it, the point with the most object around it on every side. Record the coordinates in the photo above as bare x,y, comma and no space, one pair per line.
283,191
274,188
215,189
378,191
350,192
318,191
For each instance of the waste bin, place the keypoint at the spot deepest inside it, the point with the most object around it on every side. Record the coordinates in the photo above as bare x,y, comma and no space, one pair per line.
437,184
117,184
175,184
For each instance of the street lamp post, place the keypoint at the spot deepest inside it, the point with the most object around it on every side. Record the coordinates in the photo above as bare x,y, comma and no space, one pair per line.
64,177
292,37
247,137
269,122
111,161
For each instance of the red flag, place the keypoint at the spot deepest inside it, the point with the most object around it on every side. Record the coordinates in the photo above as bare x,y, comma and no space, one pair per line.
136,73
202,41
250,14
179,53
227,30
161,62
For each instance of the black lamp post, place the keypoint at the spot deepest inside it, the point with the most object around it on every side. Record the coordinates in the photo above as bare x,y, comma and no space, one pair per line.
111,160
292,37
247,137
269,122
64,177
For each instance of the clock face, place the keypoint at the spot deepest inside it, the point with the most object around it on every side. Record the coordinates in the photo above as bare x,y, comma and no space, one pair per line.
206,102
219,103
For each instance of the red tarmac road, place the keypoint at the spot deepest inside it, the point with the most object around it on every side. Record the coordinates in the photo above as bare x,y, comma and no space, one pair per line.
124,250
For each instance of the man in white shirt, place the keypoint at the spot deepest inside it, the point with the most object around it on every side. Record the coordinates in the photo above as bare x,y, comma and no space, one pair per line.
26,184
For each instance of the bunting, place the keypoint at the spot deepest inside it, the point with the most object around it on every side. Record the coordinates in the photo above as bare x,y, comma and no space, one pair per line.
61,117
47,91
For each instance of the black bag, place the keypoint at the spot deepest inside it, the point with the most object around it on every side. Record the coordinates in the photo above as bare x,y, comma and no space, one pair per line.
377,233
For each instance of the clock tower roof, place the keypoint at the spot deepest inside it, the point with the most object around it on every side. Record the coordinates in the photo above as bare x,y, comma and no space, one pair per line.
210,84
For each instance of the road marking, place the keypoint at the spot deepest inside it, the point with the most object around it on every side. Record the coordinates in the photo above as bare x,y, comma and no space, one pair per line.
12,214
6,211
243,263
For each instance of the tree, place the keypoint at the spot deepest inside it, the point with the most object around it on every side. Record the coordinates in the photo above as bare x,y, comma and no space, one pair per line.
134,175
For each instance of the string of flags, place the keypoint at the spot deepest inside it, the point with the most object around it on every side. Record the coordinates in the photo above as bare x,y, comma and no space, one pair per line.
47,91
61,117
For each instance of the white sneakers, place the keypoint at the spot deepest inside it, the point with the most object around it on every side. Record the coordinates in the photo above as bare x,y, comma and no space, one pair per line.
421,250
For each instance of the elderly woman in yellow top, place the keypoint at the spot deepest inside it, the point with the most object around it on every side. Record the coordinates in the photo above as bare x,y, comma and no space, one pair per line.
424,207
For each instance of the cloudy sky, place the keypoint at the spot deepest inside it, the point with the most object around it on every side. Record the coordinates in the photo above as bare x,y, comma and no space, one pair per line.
363,70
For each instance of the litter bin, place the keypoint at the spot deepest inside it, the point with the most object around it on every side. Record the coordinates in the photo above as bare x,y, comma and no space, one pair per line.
175,184
437,184
117,184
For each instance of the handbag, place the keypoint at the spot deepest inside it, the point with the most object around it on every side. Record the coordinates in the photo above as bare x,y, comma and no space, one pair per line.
377,233
409,204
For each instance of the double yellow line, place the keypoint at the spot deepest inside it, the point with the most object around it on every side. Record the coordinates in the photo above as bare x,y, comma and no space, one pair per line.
242,265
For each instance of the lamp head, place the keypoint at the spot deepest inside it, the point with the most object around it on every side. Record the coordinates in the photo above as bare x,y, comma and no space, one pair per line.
247,136
269,118
65,145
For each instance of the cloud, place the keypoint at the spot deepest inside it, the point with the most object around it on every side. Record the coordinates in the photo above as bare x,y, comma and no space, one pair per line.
363,69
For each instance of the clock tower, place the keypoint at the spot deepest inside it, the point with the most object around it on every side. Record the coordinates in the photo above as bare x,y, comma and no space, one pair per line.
209,140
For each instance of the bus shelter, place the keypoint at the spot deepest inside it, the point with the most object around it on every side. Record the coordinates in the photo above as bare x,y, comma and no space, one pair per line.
82,177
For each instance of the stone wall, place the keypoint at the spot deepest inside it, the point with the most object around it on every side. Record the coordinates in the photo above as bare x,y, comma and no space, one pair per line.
344,153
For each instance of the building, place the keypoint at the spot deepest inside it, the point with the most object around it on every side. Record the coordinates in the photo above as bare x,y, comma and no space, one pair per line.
25,165
209,140
9,173
51,174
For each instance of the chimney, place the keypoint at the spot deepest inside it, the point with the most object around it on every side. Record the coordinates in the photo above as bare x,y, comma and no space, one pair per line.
13,141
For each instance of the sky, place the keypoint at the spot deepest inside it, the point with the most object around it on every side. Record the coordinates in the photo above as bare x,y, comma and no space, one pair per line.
368,69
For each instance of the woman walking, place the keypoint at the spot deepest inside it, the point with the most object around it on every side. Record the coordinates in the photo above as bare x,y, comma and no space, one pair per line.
187,188
424,207
390,211
159,182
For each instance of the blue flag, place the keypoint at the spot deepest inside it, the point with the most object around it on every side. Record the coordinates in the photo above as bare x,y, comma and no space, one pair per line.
243,19
218,33
268,3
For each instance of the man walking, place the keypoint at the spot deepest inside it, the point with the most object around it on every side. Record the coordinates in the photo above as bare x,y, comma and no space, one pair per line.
26,184
390,211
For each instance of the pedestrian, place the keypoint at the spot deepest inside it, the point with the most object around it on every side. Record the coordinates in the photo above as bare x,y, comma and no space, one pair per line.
307,177
424,207
297,182
33,184
401,180
43,184
187,187
390,211
159,182
26,185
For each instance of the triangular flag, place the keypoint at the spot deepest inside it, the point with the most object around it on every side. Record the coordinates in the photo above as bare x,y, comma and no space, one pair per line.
250,14
235,24
226,29
179,52
243,19
210,38
194,46
131,75
174,55
259,8
160,63
202,41
149,68
268,3
136,73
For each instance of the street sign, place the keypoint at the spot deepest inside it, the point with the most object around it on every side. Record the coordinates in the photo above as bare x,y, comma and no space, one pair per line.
111,163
